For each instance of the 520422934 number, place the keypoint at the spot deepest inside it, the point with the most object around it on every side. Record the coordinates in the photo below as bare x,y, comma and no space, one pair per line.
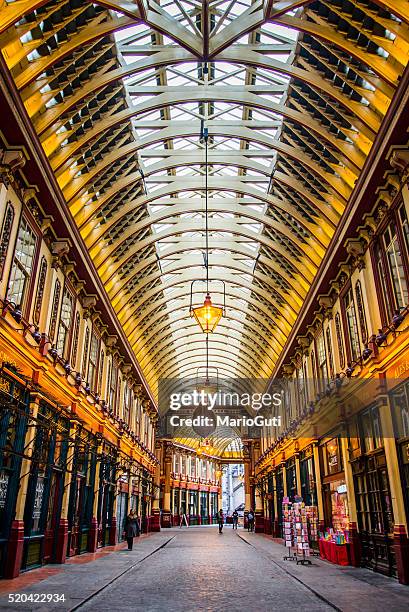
36,597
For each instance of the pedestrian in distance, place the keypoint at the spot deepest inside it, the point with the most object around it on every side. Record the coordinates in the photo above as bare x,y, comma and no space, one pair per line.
250,520
131,528
220,520
235,517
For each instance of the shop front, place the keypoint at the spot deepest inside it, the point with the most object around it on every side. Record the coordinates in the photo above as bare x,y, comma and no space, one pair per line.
307,477
279,524
146,500
122,507
45,487
270,509
204,507
213,506
106,495
291,477
193,506
14,407
175,505
372,492
400,412
81,498
334,489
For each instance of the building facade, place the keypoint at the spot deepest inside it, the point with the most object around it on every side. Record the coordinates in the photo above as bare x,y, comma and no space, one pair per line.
343,445
190,485
77,432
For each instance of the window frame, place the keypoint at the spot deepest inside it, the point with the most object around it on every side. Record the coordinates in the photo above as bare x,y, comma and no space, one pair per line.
92,376
29,284
352,355
68,329
381,266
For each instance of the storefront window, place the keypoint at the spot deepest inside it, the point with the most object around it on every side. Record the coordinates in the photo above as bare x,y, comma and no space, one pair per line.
372,495
291,479
13,426
400,407
370,427
203,504
332,456
339,505
308,487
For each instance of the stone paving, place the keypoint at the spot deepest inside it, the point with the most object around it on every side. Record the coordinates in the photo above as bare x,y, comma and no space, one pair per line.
197,569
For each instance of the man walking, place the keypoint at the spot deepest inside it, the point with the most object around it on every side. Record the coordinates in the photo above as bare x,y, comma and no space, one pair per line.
220,520
250,520
235,517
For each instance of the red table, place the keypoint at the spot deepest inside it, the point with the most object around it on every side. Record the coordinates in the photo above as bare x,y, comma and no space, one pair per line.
335,553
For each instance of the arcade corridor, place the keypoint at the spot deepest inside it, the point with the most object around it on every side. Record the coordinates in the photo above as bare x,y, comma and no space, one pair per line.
204,304
198,569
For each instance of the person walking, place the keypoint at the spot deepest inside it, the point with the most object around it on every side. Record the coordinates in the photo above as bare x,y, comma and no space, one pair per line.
235,517
220,520
131,528
250,520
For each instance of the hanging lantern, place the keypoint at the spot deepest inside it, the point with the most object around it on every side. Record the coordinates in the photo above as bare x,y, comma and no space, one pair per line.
207,315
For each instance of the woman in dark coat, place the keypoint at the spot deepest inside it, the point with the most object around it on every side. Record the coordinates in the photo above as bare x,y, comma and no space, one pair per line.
131,528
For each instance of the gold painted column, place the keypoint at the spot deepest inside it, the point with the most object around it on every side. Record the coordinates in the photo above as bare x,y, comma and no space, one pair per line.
113,531
155,526
247,494
15,544
220,492
275,509
167,469
258,510
298,473
62,534
94,527
318,486
400,532
355,546
284,469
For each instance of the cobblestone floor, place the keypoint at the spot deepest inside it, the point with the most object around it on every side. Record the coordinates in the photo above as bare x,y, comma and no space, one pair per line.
197,569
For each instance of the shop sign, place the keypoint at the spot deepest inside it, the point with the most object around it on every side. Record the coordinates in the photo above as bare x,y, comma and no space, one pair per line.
401,370
342,488
4,480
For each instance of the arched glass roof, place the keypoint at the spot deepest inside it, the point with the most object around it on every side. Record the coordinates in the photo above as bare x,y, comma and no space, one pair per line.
293,96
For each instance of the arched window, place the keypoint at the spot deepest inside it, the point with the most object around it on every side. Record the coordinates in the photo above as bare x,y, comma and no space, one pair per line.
5,236
340,341
40,291
75,339
54,310
330,355
361,312
85,354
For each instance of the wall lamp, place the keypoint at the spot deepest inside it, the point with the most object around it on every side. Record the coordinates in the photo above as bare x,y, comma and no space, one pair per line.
397,320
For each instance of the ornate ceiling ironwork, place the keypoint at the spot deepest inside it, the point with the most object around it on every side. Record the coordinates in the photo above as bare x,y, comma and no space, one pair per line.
293,96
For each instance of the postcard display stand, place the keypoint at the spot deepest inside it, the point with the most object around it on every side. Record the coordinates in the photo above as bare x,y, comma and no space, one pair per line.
300,528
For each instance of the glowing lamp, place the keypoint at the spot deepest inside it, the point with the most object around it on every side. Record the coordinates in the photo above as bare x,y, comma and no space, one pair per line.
207,315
